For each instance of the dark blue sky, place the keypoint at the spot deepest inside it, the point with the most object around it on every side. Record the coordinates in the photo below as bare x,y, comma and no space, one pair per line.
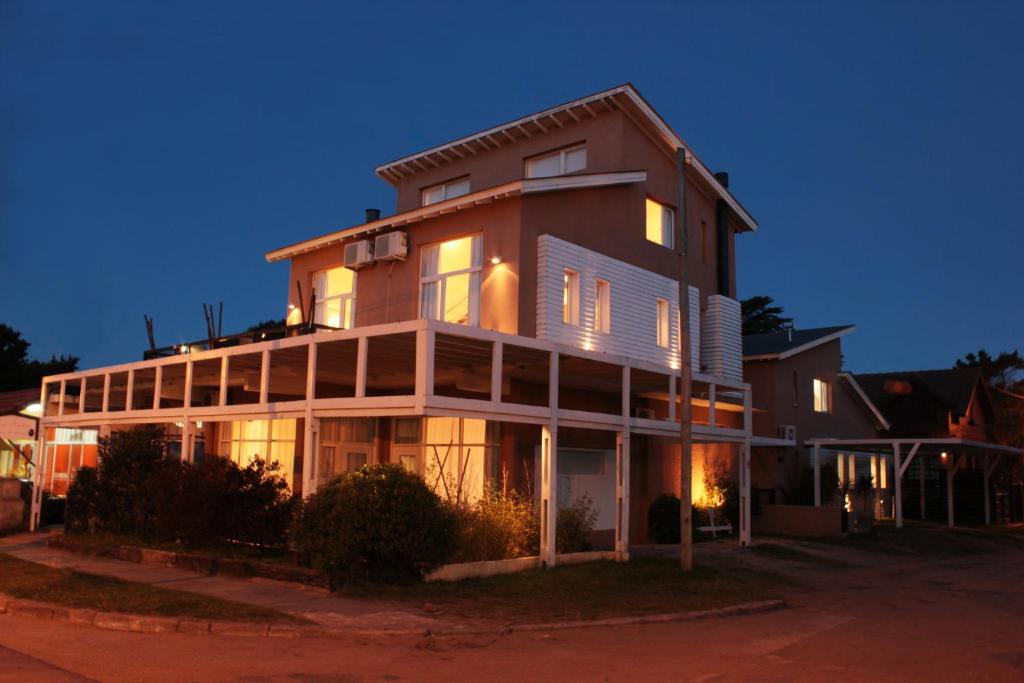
150,153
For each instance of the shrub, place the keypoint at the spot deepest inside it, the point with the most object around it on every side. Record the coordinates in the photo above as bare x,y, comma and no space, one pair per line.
663,519
138,491
502,525
379,523
573,524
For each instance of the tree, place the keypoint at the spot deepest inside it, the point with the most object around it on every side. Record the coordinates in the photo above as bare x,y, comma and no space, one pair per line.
760,316
17,371
1003,371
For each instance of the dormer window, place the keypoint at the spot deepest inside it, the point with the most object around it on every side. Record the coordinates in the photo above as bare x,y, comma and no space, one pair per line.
449,190
563,161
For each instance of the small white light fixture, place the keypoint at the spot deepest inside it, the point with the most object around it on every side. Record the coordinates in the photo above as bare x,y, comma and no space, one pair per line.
183,348
944,457
495,260
33,409
291,307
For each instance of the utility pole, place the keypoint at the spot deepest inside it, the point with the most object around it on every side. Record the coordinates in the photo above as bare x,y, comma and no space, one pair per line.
685,379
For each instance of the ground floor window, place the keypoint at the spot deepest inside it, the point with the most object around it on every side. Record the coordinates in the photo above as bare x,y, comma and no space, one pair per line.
270,440
457,458
15,459
345,445
66,452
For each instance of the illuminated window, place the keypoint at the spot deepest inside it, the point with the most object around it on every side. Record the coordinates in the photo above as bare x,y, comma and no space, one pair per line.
269,440
459,456
660,223
449,190
345,445
570,297
557,163
335,291
602,307
450,280
663,322
822,396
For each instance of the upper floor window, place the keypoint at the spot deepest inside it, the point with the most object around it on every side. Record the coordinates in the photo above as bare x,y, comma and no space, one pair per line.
450,280
449,190
660,223
822,396
557,163
335,292
602,307
570,297
663,322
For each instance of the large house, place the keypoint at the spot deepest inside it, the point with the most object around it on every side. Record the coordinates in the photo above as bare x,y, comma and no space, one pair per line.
516,319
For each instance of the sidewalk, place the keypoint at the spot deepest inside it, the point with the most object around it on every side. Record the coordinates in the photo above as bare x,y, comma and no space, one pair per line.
315,604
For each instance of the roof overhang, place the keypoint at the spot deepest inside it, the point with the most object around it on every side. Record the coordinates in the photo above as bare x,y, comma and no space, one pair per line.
624,97
926,445
879,418
803,347
469,201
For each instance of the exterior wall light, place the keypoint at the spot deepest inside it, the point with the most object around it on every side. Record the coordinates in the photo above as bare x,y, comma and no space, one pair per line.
944,457
495,260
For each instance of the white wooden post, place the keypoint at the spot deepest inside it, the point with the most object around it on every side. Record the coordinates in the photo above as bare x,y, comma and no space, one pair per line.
497,354
309,447
129,391
745,493
157,381
921,486
361,349
622,453
186,440
60,401
990,468
187,396
817,474
106,393
672,398
222,396
424,367
954,467
264,376
549,469
712,398
898,483
38,477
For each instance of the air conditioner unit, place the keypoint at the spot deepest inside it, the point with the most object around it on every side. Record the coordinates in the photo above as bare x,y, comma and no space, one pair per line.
787,432
391,246
644,413
358,254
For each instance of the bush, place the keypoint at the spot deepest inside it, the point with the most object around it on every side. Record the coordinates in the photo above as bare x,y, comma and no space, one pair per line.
139,491
663,519
573,524
502,525
379,523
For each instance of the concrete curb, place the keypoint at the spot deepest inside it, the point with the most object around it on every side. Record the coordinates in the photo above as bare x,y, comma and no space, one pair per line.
116,621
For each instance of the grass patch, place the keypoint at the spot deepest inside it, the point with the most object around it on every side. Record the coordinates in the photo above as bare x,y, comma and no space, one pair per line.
585,591
31,581
234,551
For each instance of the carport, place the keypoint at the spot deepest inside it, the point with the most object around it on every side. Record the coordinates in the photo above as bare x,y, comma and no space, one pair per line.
951,453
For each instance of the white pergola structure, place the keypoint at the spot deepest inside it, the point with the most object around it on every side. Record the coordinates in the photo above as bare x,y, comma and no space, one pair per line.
394,370
906,450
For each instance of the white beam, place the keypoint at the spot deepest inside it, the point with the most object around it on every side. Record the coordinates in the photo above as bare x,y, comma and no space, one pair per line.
898,484
921,487
712,397
264,376
622,454
361,349
549,468
38,477
311,427
106,393
910,458
672,397
497,355
222,394
424,365
130,390
953,468
745,493
817,474
157,385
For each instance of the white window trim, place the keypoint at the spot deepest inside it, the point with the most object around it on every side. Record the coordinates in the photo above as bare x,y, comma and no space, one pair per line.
571,297
444,187
343,298
662,330
602,314
561,154
474,310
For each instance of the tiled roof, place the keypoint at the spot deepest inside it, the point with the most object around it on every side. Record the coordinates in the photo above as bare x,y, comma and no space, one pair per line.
954,386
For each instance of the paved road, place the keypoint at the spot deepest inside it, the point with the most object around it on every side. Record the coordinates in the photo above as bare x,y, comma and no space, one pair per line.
931,621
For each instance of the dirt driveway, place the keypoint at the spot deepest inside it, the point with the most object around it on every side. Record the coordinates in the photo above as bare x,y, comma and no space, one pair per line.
854,615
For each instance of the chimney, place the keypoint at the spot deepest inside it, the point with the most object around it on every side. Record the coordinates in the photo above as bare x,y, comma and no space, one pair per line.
723,178
372,215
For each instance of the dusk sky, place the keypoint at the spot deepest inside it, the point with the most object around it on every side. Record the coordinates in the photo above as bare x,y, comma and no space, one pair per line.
151,153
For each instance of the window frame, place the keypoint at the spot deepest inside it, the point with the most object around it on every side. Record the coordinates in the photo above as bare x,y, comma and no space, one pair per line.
561,154
475,269
663,323
602,306
444,187
318,301
822,396
570,297
668,232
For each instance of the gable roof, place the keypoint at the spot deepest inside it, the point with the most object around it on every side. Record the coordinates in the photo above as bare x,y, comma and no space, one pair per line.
780,345
13,402
954,387
624,97
851,381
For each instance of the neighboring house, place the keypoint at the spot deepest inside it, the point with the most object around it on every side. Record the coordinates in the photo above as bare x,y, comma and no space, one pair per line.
801,393
516,319
68,449
949,404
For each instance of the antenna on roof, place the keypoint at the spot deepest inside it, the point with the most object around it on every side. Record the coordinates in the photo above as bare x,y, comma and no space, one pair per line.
787,327
149,331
